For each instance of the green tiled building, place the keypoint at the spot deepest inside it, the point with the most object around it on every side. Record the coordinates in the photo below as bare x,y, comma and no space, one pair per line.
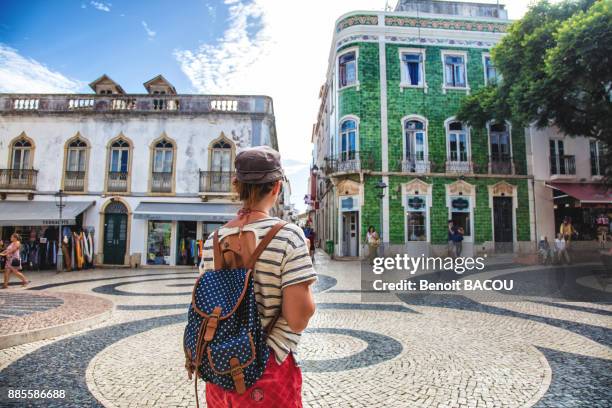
395,81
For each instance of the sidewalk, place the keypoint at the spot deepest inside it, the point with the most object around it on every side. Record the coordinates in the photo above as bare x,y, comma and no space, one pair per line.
27,316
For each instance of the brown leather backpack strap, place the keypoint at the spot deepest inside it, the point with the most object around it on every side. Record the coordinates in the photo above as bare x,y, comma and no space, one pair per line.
217,254
264,243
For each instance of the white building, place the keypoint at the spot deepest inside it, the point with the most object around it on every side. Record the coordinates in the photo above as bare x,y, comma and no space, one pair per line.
148,174
567,176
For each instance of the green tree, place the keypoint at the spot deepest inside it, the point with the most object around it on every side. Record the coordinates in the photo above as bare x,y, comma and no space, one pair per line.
556,68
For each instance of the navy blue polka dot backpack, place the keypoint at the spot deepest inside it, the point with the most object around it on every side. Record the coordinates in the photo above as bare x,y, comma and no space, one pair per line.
224,341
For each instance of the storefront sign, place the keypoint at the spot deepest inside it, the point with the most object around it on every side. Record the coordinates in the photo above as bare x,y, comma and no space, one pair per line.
460,204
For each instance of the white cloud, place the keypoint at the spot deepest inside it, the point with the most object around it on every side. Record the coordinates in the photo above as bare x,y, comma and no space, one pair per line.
99,5
20,74
271,47
150,33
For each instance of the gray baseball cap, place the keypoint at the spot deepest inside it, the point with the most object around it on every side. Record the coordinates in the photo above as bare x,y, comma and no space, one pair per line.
258,165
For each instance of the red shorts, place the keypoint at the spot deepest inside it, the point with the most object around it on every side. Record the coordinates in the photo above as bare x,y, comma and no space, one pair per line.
279,386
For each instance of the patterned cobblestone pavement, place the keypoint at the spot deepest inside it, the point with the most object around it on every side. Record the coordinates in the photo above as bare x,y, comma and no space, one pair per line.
25,311
416,351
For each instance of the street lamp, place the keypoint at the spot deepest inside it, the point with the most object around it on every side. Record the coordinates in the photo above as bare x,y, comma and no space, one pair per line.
59,202
381,194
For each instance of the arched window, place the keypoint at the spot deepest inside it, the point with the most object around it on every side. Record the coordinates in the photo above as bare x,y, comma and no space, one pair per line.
457,142
500,142
163,157
118,166
120,154
348,140
219,177
221,156
76,165
22,154
414,140
163,166
501,151
77,151
415,146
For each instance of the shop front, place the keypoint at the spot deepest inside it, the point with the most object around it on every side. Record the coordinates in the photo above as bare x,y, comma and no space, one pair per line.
176,231
587,205
38,222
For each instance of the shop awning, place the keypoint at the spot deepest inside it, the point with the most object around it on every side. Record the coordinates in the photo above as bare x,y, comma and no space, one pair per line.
30,213
587,192
186,211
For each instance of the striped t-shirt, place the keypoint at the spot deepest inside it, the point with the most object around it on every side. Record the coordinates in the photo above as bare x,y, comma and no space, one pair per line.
283,263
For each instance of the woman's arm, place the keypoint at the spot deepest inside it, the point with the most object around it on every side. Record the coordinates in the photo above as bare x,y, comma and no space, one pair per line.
298,306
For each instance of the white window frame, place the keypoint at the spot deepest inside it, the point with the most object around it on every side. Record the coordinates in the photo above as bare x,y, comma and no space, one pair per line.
422,165
404,80
486,55
339,138
464,54
599,146
471,200
407,210
468,139
342,53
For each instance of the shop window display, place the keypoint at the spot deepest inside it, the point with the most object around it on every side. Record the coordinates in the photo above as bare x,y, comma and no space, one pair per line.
158,243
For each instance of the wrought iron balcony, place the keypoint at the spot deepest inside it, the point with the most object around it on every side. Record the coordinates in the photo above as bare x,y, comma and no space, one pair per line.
117,181
562,165
74,181
216,181
161,182
18,179
459,166
349,162
418,163
501,164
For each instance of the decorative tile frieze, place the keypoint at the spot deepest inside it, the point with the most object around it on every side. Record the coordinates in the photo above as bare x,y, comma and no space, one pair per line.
361,19
463,25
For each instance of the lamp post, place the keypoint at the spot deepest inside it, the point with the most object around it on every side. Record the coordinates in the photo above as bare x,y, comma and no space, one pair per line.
59,202
381,194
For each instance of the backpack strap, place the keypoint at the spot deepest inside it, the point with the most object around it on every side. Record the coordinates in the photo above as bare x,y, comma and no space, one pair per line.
263,244
217,254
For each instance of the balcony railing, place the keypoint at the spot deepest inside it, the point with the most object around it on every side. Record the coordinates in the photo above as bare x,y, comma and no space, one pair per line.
501,164
216,181
562,165
74,181
349,162
18,179
79,103
117,181
161,182
459,166
416,164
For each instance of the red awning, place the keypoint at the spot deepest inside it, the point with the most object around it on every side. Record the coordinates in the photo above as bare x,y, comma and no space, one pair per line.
587,192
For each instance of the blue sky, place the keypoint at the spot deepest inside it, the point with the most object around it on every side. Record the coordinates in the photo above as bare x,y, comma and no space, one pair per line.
131,41
278,48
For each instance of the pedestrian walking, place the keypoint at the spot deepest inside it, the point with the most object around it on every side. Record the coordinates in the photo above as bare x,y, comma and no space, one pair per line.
567,230
561,249
373,241
13,261
277,254
602,229
545,251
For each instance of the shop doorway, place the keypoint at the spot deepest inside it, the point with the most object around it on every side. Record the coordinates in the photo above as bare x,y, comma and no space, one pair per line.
350,233
186,244
115,233
503,229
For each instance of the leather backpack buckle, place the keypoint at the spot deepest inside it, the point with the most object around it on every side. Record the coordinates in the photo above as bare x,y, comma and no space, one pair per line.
211,325
237,374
